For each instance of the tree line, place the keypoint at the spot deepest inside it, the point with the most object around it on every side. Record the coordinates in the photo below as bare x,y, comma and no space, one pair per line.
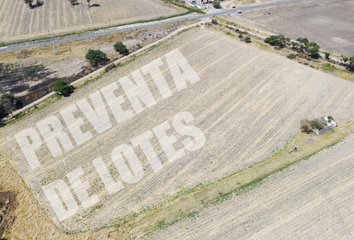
306,46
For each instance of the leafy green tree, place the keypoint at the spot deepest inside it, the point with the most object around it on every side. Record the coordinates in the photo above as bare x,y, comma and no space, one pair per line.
313,49
63,88
278,40
247,39
121,48
240,36
96,57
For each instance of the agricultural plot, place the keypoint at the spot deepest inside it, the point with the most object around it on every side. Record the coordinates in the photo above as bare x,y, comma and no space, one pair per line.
18,22
329,23
247,103
312,200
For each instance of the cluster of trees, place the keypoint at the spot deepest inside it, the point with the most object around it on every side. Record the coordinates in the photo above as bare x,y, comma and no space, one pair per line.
98,58
31,5
301,44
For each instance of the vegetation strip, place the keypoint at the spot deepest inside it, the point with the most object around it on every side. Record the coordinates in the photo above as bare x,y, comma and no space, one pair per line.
189,202
189,11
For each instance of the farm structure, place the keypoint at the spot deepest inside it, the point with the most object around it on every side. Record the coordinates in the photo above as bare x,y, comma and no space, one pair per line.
328,124
243,96
18,22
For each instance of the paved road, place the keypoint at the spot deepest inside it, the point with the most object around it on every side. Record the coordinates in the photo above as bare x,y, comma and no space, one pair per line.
126,28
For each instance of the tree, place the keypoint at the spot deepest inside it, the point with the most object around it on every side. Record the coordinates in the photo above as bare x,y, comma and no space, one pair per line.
88,2
96,57
8,104
216,4
240,36
63,88
121,48
278,40
313,49
29,2
247,39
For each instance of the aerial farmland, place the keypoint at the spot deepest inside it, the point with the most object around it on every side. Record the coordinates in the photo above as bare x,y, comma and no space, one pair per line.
19,22
209,124
248,103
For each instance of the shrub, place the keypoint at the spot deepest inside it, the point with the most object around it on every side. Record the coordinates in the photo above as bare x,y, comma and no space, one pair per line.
240,36
247,39
291,56
330,118
96,57
213,21
63,88
314,49
216,4
121,48
328,67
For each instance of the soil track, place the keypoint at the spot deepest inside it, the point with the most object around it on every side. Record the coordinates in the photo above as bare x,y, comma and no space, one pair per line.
248,103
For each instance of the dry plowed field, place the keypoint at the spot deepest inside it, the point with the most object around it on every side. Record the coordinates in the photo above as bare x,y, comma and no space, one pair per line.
18,22
248,103
312,200
327,22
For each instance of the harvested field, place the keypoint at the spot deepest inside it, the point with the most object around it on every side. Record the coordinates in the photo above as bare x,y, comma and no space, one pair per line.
248,103
312,200
327,22
18,22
